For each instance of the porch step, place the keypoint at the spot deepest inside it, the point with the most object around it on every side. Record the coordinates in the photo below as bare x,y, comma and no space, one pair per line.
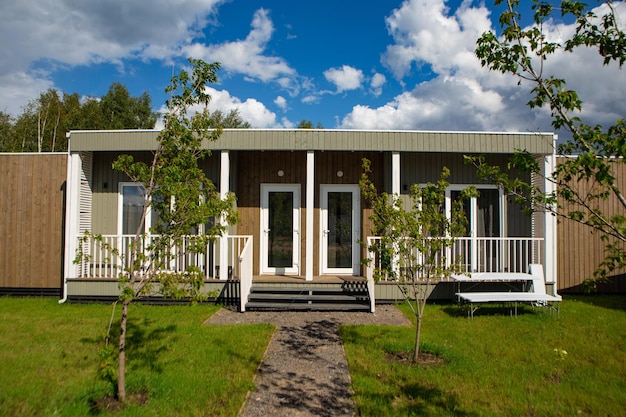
353,297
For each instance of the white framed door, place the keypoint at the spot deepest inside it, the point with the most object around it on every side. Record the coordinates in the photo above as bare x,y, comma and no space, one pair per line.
280,229
340,221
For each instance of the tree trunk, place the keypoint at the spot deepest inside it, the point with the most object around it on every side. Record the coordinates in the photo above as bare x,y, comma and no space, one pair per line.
121,366
418,329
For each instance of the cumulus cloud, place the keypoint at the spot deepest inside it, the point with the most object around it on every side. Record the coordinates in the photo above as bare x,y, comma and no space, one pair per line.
247,56
251,110
425,33
70,32
461,95
281,102
78,32
345,77
376,84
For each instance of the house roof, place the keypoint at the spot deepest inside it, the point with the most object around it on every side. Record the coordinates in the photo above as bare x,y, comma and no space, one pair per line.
327,140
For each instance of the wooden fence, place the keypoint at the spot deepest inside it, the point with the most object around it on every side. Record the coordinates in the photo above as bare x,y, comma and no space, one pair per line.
32,197
580,250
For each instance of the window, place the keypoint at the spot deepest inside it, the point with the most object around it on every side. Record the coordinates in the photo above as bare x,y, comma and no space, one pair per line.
131,204
484,213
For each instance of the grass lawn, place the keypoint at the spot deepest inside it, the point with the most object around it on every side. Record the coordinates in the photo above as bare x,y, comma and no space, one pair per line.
495,364
49,356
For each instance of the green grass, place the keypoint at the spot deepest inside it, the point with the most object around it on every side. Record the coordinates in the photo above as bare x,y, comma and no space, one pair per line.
497,365
49,359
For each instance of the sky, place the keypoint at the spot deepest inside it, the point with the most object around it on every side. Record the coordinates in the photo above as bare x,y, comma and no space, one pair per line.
349,64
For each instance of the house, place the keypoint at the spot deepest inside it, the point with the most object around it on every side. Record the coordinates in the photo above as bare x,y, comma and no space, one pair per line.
301,212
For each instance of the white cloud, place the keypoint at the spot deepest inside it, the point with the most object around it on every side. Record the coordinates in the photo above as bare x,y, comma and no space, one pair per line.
426,34
464,96
376,84
281,102
345,78
71,32
251,110
311,99
18,88
248,56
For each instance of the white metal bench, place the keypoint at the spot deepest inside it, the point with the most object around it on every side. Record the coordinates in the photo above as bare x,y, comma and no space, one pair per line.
536,296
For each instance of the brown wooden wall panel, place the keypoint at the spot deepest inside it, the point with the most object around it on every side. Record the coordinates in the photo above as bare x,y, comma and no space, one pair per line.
105,186
32,193
256,168
580,249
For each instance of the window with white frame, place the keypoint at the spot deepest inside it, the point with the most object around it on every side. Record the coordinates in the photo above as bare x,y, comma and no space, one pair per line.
132,200
480,250
485,213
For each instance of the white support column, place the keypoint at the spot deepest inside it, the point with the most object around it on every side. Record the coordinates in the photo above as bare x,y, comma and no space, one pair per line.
72,219
550,221
224,188
395,173
310,211
395,192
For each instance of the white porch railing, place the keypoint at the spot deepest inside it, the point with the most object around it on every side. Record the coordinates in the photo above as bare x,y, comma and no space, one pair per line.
245,270
107,256
483,254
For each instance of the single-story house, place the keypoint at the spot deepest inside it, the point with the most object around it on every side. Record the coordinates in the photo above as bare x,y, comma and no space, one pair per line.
302,215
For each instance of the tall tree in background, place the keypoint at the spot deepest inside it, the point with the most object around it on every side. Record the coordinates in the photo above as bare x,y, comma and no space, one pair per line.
6,127
230,120
307,124
121,111
587,180
44,122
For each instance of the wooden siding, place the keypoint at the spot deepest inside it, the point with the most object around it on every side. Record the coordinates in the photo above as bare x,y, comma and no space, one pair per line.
580,249
32,196
256,168
105,186
263,167
327,140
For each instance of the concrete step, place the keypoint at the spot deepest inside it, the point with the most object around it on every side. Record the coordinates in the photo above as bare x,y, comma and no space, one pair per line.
302,297
291,297
256,306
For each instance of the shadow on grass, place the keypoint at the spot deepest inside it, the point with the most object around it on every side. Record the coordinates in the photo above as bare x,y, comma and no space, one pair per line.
494,310
415,399
391,387
612,301
144,343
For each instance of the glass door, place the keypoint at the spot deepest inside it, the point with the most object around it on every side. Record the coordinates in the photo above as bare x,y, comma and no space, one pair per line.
280,222
340,220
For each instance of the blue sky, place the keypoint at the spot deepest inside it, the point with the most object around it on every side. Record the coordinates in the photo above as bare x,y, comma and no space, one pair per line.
351,64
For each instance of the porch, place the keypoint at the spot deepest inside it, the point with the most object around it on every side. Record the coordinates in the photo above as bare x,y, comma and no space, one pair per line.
105,259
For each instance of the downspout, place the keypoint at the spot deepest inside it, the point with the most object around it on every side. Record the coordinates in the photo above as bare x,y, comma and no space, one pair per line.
67,221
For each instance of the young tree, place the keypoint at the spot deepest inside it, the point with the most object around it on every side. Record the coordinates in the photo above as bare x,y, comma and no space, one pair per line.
178,192
599,151
415,238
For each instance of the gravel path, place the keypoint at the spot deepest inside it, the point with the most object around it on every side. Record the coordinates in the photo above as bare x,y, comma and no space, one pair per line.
304,371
